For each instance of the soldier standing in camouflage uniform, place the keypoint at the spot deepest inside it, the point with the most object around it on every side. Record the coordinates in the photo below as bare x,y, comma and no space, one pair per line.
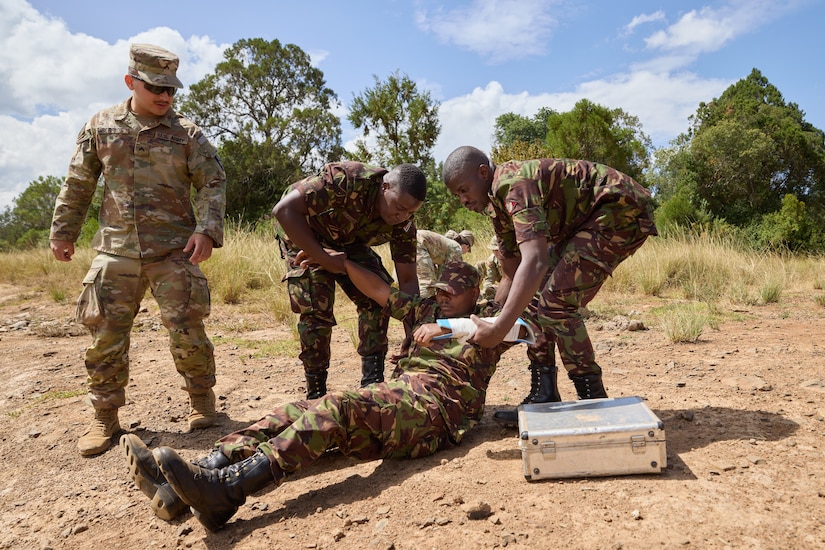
593,215
150,236
434,250
492,273
435,396
348,207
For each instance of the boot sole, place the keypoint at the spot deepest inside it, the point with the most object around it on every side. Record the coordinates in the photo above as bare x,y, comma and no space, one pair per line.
207,522
165,503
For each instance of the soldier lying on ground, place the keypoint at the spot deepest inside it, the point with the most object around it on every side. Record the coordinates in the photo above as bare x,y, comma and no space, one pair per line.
436,394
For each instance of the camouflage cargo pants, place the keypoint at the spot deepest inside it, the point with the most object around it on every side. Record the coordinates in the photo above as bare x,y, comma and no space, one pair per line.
112,291
312,297
579,266
386,420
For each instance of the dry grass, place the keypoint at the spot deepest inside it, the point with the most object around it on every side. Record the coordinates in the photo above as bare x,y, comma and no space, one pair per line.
695,269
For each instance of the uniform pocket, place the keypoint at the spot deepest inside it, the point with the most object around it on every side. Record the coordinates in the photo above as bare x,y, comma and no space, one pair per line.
199,296
89,312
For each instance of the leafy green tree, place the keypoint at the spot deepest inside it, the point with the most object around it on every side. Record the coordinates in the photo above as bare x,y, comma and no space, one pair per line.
593,132
271,112
27,223
588,131
398,123
749,149
511,129
788,228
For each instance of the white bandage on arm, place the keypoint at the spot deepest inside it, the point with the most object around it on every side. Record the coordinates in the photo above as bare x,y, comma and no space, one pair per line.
462,329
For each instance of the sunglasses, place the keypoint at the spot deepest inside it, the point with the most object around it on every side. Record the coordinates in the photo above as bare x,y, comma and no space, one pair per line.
158,90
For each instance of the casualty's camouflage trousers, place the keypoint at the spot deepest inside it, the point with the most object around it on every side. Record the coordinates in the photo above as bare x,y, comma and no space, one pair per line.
385,420
579,266
112,291
312,297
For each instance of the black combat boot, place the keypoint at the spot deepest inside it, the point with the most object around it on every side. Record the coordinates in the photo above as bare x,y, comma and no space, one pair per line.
589,386
214,495
215,459
543,389
372,369
144,471
316,384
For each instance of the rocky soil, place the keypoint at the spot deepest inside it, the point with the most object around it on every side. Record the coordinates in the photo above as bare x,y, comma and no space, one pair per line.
742,408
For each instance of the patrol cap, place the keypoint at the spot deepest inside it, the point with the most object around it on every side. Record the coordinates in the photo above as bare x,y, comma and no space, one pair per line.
154,65
457,277
467,237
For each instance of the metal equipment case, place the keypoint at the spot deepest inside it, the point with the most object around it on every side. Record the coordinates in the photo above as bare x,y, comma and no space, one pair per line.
594,437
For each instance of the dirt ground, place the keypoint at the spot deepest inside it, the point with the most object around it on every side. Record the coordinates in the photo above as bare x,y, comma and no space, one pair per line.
742,409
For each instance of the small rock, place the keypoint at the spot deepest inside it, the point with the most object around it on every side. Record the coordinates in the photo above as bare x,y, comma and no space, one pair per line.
508,538
637,515
381,525
476,510
756,459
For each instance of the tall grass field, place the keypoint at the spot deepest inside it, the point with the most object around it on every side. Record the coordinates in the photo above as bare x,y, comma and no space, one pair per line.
694,279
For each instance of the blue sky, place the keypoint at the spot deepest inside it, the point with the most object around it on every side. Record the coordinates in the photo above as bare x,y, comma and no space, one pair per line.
60,61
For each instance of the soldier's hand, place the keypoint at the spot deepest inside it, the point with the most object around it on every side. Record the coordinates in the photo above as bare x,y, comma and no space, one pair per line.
304,260
62,250
486,334
424,334
200,246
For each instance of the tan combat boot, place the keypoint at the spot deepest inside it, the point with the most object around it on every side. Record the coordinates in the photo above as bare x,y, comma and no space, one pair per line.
98,437
202,413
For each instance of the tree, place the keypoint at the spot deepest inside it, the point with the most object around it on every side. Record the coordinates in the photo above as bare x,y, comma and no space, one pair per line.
511,128
271,113
589,131
27,224
593,132
399,124
749,149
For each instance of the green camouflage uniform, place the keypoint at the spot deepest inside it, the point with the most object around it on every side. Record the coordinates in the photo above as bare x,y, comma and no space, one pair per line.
343,215
594,215
435,395
434,250
149,168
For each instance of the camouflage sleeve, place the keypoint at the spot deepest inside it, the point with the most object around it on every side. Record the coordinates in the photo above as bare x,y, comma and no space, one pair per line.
403,244
209,180
78,188
523,203
415,309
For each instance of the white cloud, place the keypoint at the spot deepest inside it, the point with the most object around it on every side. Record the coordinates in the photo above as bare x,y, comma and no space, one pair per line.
642,19
662,101
709,29
494,29
50,85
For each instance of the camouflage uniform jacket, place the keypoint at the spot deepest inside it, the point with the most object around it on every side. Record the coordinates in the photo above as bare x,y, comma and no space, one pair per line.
554,197
341,201
148,173
456,375
441,249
